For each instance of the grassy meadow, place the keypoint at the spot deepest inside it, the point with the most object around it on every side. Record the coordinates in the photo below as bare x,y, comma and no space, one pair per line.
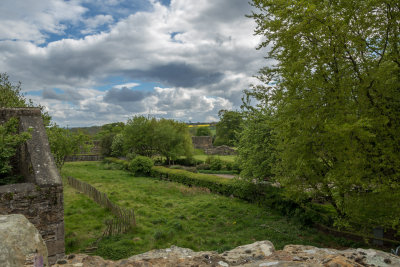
168,214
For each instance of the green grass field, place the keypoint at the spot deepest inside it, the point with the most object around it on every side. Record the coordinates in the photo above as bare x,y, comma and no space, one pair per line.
230,158
171,214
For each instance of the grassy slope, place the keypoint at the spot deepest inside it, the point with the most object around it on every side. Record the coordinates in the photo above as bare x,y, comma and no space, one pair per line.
171,214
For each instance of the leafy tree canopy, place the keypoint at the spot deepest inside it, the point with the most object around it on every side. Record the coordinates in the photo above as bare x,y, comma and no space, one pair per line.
333,99
12,97
106,136
228,128
149,136
65,143
203,131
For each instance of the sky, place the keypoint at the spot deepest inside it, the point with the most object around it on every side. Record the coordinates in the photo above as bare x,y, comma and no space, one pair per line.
91,62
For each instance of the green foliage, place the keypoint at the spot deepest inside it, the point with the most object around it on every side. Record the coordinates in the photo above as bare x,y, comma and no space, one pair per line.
10,140
10,94
65,143
186,216
188,161
228,128
148,137
332,103
256,147
117,146
203,131
12,97
106,136
215,164
141,165
262,193
123,163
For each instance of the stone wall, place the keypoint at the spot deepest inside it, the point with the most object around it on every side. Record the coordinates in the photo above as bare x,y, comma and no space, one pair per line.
220,150
261,253
202,142
40,198
84,158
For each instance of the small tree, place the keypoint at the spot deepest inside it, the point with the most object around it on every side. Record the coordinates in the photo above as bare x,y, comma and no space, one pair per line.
65,143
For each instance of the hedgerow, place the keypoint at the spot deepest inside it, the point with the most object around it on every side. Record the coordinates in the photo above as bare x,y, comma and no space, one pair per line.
261,193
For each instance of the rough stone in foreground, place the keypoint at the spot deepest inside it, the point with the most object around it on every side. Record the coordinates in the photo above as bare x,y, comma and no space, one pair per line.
20,243
258,254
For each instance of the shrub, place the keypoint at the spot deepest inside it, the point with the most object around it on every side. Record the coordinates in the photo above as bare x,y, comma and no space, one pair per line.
10,140
188,161
141,165
203,166
216,164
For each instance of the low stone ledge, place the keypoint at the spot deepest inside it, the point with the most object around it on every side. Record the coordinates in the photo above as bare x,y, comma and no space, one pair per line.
260,254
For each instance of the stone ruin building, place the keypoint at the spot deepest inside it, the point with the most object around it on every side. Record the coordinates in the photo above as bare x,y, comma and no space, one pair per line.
202,142
40,196
206,143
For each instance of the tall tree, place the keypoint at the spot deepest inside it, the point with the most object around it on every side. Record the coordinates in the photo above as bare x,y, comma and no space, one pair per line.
334,93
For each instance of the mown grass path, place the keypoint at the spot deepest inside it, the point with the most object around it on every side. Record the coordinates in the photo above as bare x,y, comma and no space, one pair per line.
171,214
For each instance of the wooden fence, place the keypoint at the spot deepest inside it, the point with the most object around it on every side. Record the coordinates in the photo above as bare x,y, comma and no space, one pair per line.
125,219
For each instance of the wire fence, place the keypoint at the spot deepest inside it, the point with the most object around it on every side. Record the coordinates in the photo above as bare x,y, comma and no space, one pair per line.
125,218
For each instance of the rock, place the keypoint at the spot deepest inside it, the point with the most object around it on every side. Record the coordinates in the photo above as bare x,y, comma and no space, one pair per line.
21,243
256,251
258,254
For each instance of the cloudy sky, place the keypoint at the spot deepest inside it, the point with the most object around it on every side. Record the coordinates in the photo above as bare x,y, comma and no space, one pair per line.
92,62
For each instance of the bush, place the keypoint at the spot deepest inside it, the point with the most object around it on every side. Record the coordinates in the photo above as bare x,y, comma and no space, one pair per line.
141,165
216,164
203,166
188,161
10,140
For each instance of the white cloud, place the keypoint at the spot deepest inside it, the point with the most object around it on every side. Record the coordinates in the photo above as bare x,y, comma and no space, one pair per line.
31,20
94,22
206,65
127,85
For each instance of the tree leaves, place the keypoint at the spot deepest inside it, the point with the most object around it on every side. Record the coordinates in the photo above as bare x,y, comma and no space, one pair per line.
333,100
